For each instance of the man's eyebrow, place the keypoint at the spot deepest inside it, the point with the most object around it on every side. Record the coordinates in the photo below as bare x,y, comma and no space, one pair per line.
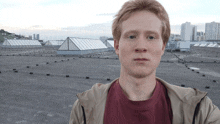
131,31
136,32
152,32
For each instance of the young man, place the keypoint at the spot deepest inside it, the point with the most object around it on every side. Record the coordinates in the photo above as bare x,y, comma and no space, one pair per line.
141,30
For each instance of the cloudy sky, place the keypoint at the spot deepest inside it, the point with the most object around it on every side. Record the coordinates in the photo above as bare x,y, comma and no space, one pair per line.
58,19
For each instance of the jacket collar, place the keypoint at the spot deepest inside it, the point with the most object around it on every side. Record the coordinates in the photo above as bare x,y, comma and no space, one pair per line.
94,101
186,95
182,100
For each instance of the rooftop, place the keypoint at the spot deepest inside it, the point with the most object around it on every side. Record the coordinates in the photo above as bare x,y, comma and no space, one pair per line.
38,86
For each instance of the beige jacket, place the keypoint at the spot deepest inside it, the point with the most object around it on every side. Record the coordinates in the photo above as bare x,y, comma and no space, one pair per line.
183,102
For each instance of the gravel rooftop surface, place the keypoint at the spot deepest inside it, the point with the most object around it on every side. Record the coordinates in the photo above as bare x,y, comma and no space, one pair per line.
37,86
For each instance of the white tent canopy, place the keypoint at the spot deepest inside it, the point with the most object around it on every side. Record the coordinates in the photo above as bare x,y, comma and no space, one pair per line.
202,45
196,44
210,45
81,46
214,45
20,43
111,42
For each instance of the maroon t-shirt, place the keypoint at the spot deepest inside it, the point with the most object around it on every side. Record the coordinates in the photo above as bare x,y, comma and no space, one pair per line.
120,110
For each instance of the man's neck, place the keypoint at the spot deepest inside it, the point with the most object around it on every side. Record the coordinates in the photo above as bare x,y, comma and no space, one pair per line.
137,89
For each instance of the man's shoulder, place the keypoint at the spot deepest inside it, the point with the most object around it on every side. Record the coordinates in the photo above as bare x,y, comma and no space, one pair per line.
96,92
185,94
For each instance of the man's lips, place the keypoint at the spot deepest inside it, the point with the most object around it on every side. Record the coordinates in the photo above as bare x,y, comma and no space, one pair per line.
141,59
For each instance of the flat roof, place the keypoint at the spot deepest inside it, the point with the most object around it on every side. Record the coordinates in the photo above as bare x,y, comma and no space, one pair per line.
39,86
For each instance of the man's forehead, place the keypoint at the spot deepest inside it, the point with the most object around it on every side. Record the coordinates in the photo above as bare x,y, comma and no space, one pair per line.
143,20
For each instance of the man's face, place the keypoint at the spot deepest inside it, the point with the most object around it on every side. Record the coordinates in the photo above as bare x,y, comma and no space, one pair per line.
140,46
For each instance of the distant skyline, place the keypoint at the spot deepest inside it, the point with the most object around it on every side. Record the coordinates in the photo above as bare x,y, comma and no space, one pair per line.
56,19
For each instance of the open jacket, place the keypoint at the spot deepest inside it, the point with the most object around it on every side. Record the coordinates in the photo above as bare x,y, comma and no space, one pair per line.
189,106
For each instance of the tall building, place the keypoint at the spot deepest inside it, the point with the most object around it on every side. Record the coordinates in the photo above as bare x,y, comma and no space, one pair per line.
212,31
218,37
194,33
188,32
38,37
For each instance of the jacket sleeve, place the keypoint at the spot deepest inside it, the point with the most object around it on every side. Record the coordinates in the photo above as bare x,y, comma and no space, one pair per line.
76,116
209,113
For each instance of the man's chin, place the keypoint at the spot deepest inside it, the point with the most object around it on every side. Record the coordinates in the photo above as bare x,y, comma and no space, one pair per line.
140,75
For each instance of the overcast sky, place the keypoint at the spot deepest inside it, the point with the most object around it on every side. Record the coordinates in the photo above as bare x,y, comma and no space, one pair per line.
58,19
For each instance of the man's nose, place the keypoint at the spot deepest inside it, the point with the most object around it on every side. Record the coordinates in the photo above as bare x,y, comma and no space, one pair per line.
141,45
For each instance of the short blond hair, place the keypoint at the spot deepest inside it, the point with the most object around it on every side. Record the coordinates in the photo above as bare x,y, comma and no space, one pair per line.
132,6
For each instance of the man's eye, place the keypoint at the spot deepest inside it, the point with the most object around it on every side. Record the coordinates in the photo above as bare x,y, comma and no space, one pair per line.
132,37
151,37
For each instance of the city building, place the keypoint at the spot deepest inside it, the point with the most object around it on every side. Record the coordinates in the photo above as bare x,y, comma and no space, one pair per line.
30,37
36,37
200,33
200,36
212,31
175,37
188,32
194,33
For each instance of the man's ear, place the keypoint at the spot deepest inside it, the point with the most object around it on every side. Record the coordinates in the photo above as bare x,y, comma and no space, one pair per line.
163,48
116,46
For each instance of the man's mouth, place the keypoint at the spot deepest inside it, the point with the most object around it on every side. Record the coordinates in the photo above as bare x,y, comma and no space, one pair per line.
141,59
